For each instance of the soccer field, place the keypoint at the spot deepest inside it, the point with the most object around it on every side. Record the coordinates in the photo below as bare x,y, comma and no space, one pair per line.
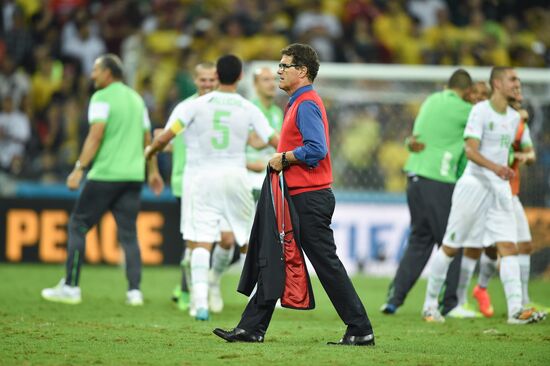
103,330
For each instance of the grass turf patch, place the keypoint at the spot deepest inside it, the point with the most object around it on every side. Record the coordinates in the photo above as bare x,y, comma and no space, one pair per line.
103,330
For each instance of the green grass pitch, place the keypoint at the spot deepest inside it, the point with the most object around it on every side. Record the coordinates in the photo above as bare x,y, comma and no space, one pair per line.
104,331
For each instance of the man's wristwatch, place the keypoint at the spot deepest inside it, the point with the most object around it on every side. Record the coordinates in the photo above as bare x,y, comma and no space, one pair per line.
284,161
78,166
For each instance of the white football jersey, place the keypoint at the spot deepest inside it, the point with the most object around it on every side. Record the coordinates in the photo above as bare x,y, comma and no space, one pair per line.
496,132
216,127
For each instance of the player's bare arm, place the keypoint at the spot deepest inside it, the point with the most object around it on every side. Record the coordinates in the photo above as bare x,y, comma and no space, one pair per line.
154,179
274,139
256,142
157,132
257,166
89,150
159,143
473,154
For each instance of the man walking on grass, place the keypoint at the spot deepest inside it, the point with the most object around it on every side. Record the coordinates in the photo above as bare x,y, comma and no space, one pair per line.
119,130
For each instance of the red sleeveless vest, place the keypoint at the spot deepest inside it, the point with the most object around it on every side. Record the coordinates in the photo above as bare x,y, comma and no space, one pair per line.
300,177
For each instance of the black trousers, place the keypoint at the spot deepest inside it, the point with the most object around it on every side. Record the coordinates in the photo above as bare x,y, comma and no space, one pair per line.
315,211
429,206
123,200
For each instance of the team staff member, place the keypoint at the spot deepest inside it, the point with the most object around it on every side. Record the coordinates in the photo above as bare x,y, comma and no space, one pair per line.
304,156
119,130
432,168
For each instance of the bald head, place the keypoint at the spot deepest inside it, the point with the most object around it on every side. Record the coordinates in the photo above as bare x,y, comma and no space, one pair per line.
265,83
205,77
505,82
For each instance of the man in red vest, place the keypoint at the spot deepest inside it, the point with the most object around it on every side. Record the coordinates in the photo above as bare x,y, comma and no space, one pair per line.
303,155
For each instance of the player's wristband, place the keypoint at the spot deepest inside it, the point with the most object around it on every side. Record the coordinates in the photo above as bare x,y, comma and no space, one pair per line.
284,161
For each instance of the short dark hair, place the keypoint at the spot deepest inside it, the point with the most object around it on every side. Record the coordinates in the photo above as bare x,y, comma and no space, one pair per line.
303,55
113,63
229,68
460,79
496,73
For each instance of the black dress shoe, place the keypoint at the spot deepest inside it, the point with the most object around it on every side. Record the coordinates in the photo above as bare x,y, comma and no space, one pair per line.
238,335
349,340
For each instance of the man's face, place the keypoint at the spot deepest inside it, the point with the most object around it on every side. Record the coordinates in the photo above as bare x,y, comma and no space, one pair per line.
518,95
265,83
517,99
288,76
99,75
478,93
205,80
509,84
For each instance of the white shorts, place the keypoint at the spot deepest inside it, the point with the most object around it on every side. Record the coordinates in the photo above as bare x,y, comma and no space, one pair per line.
481,214
216,200
524,234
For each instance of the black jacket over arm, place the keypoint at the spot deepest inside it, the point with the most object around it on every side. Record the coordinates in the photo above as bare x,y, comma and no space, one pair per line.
283,273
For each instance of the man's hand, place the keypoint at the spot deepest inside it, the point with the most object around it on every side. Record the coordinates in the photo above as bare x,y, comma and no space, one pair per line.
73,180
148,152
414,145
526,157
276,162
155,183
504,172
520,157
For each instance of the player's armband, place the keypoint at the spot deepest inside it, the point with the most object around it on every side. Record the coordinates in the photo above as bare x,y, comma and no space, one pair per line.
177,127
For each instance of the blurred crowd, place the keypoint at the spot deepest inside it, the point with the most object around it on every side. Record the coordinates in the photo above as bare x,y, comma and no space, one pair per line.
47,49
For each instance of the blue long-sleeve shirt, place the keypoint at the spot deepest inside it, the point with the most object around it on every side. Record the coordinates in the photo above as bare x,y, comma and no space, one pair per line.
310,124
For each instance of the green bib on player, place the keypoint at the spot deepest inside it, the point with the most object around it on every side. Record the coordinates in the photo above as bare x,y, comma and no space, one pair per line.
120,156
440,126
